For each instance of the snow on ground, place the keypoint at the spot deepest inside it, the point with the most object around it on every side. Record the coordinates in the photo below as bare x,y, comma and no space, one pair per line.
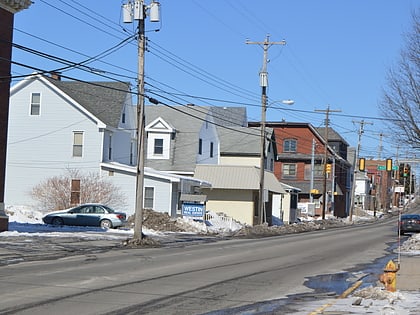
373,300
23,221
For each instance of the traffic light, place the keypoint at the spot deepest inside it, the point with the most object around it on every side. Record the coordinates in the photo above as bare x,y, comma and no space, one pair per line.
328,168
362,164
388,165
406,171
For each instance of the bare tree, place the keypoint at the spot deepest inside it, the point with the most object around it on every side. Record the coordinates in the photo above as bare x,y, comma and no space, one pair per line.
400,103
55,193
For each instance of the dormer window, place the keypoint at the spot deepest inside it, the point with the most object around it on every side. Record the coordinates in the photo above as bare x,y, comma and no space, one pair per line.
289,145
158,147
160,134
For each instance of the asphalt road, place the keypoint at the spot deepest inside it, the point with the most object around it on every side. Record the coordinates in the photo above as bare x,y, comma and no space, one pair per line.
209,277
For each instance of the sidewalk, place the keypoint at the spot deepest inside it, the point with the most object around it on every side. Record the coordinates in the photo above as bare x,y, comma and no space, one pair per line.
408,277
375,300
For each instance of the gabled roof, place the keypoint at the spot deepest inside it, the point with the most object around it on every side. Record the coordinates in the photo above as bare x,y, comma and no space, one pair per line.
241,140
229,116
332,135
104,100
237,177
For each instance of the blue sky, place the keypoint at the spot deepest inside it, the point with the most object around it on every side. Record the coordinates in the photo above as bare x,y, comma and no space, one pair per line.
337,54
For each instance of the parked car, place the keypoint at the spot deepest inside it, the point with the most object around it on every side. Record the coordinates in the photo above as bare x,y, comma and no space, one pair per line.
409,223
87,215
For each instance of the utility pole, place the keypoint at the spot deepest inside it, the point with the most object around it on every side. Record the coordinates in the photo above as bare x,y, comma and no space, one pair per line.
324,194
263,83
311,196
355,163
138,10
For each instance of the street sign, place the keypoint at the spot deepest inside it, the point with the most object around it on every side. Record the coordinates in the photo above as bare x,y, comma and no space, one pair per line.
383,168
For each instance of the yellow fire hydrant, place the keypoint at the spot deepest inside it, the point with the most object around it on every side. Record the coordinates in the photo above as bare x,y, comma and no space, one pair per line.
389,277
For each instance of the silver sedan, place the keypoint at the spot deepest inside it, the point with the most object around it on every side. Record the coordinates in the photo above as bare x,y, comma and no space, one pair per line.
87,215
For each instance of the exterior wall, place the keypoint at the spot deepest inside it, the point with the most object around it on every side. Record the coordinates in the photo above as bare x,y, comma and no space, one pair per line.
208,134
41,146
126,181
121,142
234,160
304,136
165,192
237,204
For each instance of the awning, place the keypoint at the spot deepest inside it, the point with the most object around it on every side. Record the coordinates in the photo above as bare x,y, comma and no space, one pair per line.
193,198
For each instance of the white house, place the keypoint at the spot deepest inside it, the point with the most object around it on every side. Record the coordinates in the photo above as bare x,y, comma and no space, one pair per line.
57,125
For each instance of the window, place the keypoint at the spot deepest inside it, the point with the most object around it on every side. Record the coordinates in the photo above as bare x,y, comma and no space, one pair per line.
132,153
35,104
149,193
123,117
158,148
289,145
317,172
77,143
110,147
200,146
211,149
289,170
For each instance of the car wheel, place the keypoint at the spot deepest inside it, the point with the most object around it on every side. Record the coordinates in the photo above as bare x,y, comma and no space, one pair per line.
57,221
106,224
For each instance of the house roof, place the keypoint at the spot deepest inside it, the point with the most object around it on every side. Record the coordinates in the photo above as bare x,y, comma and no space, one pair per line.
150,172
105,100
239,140
237,177
187,121
316,131
229,116
332,134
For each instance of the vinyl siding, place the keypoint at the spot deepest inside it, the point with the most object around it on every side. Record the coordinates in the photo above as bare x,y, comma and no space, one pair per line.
41,146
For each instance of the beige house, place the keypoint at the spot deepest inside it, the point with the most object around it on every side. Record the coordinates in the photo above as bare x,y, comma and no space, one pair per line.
235,190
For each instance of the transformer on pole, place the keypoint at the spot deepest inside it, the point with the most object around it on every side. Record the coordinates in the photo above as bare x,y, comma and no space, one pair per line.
137,10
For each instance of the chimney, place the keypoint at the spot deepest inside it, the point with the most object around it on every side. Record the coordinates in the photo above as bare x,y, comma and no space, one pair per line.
55,75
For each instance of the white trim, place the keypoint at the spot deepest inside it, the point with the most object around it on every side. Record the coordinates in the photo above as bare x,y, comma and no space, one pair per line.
41,78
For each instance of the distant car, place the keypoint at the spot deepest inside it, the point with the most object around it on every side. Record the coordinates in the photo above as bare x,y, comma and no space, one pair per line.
87,215
409,223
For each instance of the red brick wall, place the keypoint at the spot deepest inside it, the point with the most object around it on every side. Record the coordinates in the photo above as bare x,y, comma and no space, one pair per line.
6,31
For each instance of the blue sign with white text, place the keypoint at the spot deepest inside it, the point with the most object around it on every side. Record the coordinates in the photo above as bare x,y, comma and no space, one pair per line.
192,210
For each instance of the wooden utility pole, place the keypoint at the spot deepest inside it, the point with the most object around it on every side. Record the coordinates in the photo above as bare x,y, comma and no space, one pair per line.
138,10
324,194
263,83
355,165
138,218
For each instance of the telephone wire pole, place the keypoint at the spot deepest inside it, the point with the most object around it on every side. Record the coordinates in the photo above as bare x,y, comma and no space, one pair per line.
324,194
263,83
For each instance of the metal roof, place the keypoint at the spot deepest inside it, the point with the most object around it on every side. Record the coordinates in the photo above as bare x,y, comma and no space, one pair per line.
237,177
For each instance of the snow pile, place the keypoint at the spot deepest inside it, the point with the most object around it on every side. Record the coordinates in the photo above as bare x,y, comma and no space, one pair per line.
411,246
